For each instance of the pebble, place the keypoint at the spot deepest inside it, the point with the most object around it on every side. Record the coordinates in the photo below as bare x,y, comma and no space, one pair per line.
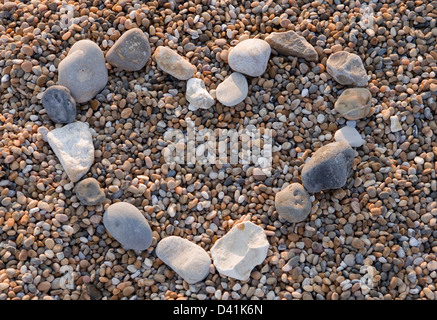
172,63
240,250
250,57
131,51
291,44
293,203
232,90
83,71
328,167
89,193
59,104
347,69
197,95
187,259
354,103
73,145
350,135
127,225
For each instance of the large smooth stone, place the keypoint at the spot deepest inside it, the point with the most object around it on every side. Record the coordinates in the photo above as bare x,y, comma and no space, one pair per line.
293,203
83,71
329,167
354,103
250,57
187,259
131,51
240,250
128,226
172,63
197,95
350,135
59,104
73,145
291,44
89,193
232,90
347,69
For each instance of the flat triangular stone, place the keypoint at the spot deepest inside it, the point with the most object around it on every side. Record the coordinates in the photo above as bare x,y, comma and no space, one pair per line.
130,52
73,145
291,44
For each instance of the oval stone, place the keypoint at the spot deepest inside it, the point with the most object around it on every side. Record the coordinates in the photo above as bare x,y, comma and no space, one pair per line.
354,103
128,226
250,57
293,203
89,193
187,259
232,90
59,104
83,71
172,63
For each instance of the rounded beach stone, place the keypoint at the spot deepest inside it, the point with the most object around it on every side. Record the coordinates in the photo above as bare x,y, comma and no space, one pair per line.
250,57
187,259
59,104
354,103
89,193
328,167
232,90
293,203
83,71
172,63
291,44
128,226
131,51
347,69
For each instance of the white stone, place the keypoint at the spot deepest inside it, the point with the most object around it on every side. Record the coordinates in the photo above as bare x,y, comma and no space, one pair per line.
73,145
240,250
197,95
232,90
395,125
187,259
250,57
350,135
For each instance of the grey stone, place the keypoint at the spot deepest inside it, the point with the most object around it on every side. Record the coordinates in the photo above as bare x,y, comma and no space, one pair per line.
128,226
328,167
89,193
83,71
59,104
291,44
293,203
250,57
347,69
131,51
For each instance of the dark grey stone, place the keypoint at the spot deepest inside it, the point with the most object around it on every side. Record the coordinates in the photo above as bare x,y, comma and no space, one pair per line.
59,104
89,193
130,52
128,226
329,167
